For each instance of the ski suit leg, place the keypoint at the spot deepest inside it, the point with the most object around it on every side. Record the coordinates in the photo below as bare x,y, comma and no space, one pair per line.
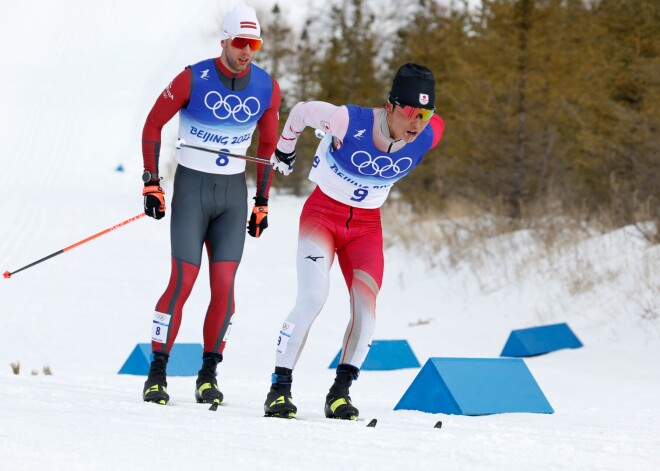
169,308
225,242
361,261
211,209
314,258
188,226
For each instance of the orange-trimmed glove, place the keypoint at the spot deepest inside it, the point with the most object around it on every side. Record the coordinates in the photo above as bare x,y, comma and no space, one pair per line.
259,218
154,200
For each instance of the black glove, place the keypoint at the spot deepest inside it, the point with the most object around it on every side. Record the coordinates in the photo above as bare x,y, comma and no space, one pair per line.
259,218
154,200
283,162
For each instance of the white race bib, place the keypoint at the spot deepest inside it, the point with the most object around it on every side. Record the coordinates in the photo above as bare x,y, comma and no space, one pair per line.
285,334
160,326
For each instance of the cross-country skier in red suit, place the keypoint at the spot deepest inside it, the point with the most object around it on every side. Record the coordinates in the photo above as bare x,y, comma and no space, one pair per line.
220,103
364,152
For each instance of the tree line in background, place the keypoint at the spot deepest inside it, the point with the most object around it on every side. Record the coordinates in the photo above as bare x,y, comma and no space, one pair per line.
551,107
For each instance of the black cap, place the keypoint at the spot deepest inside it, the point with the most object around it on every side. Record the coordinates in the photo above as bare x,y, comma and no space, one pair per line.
413,85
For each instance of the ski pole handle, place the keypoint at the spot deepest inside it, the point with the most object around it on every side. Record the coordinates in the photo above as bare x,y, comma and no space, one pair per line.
8,274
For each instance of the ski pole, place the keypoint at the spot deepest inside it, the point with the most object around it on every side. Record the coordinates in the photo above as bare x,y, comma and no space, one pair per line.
260,160
8,274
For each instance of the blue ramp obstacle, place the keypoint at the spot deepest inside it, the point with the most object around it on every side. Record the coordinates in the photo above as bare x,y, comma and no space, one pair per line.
386,355
474,386
185,360
539,340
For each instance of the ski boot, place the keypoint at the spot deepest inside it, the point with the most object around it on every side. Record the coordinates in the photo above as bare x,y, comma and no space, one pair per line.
278,401
206,387
155,388
338,403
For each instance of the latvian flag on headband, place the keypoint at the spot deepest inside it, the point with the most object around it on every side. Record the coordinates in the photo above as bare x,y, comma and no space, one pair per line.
248,25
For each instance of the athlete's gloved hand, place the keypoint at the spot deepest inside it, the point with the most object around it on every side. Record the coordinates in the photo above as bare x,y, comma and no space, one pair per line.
283,162
259,218
154,200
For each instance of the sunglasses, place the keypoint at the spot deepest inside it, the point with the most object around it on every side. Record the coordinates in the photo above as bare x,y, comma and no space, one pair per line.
411,112
240,43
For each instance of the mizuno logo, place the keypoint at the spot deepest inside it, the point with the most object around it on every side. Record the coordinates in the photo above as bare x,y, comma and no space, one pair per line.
358,135
205,74
314,259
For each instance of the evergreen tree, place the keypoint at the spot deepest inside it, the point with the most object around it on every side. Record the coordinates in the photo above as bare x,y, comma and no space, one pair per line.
276,55
338,68
620,166
435,38
545,101
303,76
348,68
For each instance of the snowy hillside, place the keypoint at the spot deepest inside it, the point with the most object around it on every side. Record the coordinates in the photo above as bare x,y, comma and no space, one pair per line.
78,79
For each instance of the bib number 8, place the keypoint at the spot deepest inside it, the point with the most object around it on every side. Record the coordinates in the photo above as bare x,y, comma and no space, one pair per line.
222,159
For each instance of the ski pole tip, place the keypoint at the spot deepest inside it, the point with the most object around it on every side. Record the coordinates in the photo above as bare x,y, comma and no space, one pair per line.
6,274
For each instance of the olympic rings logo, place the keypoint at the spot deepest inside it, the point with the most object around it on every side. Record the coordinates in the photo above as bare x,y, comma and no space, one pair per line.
383,165
233,106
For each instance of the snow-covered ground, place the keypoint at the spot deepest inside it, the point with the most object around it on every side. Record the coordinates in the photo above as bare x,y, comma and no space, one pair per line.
77,79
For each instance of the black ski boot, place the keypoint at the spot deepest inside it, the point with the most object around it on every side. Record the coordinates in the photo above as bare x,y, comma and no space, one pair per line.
206,387
278,401
338,403
155,388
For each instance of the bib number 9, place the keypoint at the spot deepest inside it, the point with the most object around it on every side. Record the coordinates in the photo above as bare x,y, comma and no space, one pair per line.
360,194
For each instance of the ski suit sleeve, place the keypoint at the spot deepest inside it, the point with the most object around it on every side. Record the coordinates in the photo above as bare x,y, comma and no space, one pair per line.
438,126
267,127
175,96
316,114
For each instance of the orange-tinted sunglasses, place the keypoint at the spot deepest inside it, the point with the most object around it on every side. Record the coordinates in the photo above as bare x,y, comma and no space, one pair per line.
411,112
240,43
